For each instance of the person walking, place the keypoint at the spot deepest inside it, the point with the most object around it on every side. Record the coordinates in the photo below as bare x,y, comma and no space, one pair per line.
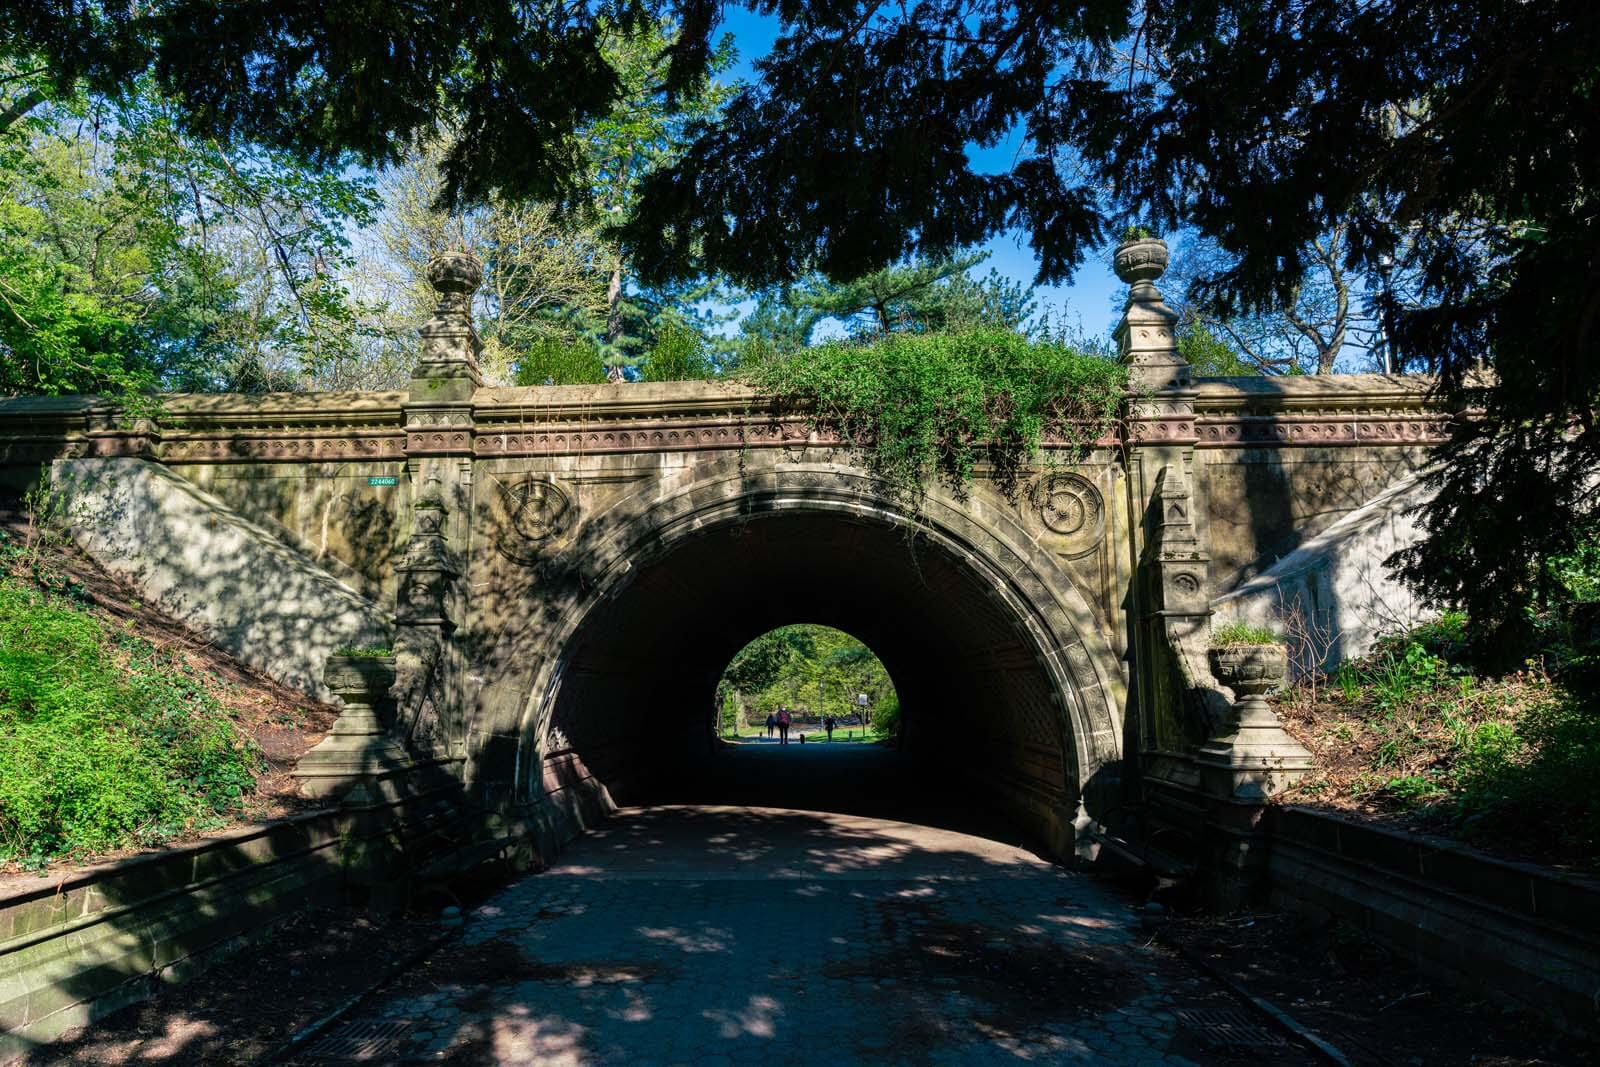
772,721
827,724
783,726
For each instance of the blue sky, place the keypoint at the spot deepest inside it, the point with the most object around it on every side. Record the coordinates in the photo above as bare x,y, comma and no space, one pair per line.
1086,303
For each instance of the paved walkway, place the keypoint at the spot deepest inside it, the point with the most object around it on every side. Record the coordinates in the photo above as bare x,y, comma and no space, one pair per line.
712,935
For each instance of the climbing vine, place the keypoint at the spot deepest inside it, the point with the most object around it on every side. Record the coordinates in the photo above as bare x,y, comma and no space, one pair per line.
918,407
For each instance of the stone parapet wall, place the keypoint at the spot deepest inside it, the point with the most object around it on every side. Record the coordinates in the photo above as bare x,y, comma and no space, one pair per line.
1522,932
78,946
75,948
1342,410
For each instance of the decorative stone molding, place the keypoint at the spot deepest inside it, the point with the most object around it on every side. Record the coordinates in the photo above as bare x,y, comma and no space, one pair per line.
429,565
1326,430
314,449
527,517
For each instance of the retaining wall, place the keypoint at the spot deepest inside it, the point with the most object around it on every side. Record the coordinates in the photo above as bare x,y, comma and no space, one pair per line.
77,947
1521,932
200,561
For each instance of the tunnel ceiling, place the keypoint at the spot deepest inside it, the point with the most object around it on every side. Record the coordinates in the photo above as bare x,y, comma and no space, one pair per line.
646,662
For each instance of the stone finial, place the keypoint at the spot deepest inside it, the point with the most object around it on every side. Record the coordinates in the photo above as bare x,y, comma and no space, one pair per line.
1145,337
448,369
455,276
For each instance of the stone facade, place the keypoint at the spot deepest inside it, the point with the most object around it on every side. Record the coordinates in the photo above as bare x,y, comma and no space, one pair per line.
571,567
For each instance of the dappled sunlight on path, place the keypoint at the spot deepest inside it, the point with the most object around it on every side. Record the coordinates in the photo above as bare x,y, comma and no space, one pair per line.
721,935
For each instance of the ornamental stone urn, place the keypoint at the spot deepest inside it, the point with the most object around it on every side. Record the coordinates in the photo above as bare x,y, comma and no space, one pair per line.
455,276
359,749
1256,759
1140,260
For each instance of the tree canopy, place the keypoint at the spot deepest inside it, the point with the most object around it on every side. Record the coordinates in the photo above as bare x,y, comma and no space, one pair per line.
1454,142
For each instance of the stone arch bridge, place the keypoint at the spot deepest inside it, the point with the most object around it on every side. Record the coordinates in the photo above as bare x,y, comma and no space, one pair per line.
563,572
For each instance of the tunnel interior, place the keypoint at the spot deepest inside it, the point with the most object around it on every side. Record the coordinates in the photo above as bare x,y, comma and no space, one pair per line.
980,725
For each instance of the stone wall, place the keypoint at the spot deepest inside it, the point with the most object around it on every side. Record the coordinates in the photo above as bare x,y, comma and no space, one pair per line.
203,563
1333,595
1517,931
75,948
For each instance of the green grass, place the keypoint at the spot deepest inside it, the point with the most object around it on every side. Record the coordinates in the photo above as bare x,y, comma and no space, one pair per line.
364,651
1239,633
106,740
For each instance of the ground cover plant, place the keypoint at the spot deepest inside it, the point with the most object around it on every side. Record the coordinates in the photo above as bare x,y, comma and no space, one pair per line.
106,739
925,407
1417,732
119,728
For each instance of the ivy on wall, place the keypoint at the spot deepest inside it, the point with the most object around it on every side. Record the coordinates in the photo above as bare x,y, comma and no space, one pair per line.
920,407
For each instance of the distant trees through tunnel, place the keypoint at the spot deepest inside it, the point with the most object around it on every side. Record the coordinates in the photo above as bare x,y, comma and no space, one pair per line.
819,675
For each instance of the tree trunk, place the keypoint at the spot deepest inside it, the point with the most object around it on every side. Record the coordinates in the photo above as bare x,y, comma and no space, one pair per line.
614,305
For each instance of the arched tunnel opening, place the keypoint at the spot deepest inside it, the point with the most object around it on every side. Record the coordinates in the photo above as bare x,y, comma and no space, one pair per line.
985,742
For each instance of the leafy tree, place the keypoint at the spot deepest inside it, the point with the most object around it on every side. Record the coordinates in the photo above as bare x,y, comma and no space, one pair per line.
642,132
1326,317
887,299
678,353
807,667
774,328
1453,138
544,287
555,361
936,295
140,258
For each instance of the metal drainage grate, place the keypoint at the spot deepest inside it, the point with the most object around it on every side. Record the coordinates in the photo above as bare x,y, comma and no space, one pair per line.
1221,1029
361,1042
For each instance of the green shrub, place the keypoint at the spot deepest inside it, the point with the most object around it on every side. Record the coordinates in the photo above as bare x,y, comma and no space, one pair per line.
1536,780
106,740
678,354
923,406
364,651
886,717
1242,633
561,361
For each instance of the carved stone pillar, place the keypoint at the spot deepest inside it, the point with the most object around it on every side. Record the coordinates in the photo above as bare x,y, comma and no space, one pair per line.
1171,600
430,670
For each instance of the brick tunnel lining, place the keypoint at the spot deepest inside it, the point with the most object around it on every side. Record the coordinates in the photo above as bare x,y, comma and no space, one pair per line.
636,697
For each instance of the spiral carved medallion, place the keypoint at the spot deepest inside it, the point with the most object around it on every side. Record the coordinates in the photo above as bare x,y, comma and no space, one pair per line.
528,515
1070,507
